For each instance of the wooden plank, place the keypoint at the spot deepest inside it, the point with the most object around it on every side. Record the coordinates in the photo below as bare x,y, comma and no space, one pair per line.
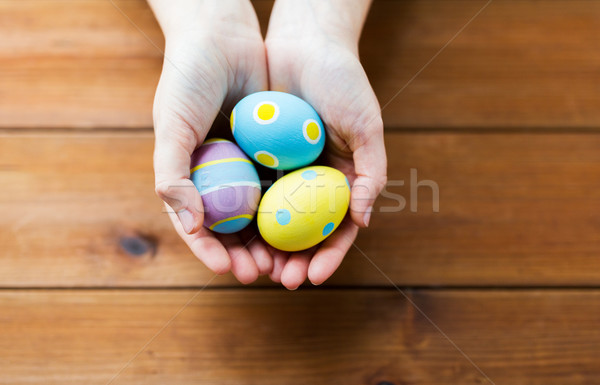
514,210
77,64
513,66
316,337
69,63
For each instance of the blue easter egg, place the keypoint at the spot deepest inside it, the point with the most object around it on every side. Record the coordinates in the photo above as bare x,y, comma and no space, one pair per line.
278,130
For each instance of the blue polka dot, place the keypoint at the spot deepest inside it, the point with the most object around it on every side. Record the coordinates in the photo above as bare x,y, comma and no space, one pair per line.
283,217
328,229
348,183
309,174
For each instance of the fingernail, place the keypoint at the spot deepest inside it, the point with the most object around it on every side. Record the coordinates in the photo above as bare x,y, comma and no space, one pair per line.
187,220
367,216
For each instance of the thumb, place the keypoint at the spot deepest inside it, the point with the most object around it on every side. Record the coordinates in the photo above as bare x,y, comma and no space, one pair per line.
172,183
370,165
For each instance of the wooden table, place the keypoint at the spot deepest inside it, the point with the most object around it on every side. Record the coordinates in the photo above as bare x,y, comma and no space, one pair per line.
500,286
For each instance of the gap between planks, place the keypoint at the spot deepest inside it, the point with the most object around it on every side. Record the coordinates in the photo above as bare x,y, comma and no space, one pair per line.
29,132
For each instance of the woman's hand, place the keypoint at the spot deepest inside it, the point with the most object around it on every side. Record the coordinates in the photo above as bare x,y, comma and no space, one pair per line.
214,56
312,52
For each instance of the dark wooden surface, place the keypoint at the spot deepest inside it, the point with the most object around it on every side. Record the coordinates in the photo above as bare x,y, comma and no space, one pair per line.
505,120
514,209
371,337
519,64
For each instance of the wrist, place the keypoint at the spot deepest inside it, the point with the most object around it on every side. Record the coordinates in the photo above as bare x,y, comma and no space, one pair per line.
205,17
333,21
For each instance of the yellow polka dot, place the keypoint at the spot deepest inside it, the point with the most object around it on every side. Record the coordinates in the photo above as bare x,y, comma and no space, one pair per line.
265,159
232,121
266,111
312,130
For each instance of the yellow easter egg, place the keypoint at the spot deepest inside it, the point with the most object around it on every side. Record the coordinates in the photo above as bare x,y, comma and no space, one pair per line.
303,208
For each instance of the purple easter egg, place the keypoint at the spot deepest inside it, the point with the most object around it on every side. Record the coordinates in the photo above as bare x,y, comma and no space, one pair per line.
228,184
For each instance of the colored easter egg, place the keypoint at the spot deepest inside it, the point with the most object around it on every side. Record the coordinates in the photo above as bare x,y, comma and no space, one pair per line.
278,130
228,184
303,207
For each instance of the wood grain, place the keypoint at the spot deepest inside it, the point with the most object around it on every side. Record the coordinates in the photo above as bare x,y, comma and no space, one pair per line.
82,64
317,337
513,66
77,63
487,121
514,209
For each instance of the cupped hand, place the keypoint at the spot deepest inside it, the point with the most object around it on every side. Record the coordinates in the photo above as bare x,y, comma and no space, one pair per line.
324,70
211,60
